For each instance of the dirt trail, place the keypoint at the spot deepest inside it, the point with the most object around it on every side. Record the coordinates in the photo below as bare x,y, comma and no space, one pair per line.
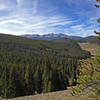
58,95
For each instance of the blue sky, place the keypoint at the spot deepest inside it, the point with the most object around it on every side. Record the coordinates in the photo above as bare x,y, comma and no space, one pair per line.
71,17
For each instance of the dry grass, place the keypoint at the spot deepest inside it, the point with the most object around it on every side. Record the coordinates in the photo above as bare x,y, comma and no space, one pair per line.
58,95
91,47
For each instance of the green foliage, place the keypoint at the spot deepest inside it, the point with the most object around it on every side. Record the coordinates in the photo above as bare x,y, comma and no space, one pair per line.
90,73
27,74
33,66
41,47
98,6
97,92
98,60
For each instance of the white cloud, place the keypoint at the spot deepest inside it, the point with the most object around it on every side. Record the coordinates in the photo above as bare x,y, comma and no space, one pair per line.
48,24
51,21
77,27
80,30
43,25
11,21
36,24
3,7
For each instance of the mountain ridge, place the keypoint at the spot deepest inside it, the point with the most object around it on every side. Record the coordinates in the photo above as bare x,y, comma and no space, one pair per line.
68,48
51,36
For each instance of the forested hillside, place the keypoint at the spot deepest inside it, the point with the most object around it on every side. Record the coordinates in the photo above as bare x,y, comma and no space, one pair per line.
33,66
90,39
49,50
41,47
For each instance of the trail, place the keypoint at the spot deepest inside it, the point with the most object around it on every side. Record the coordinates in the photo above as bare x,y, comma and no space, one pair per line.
58,95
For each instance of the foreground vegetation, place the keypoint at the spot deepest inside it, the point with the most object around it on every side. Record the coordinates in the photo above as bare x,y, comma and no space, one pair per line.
90,73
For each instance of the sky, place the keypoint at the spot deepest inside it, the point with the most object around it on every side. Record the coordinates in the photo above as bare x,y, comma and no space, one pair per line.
71,17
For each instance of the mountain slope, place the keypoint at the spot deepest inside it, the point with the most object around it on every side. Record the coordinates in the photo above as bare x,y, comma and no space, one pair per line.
28,62
90,39
28,66
66,94
59,37
68,48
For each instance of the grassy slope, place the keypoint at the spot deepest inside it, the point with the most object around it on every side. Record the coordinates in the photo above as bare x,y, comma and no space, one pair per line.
89,79
92,47
90,39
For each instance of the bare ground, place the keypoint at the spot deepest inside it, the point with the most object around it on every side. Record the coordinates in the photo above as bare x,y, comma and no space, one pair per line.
58,95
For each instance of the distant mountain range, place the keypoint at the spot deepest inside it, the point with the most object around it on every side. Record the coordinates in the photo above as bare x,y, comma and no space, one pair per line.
59,37
51,36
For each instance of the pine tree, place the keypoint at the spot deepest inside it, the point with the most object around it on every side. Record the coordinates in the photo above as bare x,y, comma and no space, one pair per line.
49,86
98,6
98,57
98,33
12,83
45,79
4,82
27,79
38,79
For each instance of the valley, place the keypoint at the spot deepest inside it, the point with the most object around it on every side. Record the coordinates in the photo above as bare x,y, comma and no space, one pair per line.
43,62
68,93
49,50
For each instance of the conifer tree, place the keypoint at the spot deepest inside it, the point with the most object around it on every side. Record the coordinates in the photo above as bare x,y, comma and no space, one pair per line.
98,6
45,79
12,83
37,79
98,33
27,79
4,82
98,57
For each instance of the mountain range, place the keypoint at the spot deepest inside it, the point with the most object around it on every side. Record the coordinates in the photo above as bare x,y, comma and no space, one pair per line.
58,44
51,36
60,36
